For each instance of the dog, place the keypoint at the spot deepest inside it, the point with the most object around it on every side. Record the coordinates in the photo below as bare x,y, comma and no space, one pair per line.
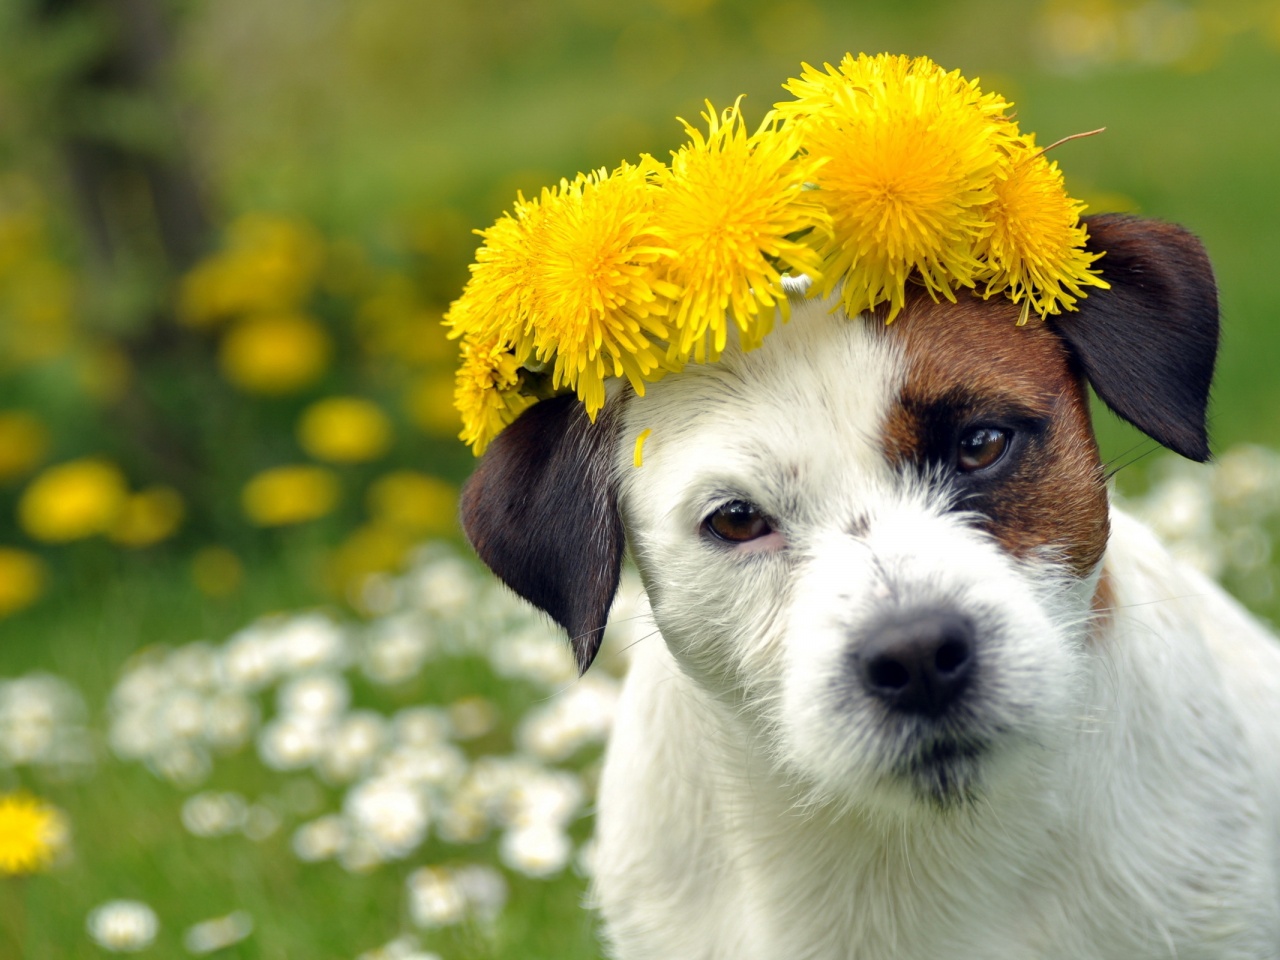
916,689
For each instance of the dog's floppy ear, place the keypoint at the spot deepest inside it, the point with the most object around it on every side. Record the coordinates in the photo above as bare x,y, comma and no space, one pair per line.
542,513
1148,344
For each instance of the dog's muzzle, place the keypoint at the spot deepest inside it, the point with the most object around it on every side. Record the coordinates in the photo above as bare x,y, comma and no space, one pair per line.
918,663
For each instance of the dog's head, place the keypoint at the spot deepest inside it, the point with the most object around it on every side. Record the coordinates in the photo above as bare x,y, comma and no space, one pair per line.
878,544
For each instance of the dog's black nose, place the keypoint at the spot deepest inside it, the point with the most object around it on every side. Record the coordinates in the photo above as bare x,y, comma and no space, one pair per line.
919,664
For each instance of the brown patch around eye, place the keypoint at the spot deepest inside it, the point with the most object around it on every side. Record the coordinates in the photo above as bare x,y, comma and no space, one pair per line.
967,362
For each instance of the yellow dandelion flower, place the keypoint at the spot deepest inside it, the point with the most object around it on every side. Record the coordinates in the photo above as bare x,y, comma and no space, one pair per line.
269,265
413,501
24,441
32,833
597,306
72,501
496,303
487,392
288,495
729,209
345,430
912,154
1036,246
147,517
273,354
22,580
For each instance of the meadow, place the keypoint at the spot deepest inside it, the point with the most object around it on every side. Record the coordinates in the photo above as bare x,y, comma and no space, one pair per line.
259,695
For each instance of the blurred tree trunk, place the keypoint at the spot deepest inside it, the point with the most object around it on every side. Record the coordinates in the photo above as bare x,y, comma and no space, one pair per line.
109,164
117,124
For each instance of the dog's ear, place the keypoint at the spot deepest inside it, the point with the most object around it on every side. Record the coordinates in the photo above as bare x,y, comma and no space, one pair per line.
1149,343
541,511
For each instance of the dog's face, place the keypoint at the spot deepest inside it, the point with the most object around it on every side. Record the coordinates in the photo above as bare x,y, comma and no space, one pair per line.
876,544
877,547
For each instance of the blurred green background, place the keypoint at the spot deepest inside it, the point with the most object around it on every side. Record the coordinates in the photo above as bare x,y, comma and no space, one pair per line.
228,230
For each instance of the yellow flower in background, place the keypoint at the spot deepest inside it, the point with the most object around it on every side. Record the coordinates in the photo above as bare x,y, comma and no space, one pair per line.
37,311
72,501
728,209
1036,247
344,430
32,832
287,495
24,442
430,405
912,156
216,571
415,502
269,265
22,580
147,517
487,392
275,354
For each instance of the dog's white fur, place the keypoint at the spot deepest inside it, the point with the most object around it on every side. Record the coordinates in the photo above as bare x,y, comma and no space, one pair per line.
1125,805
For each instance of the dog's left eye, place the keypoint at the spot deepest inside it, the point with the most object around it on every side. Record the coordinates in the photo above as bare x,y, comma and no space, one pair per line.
737,522
981,447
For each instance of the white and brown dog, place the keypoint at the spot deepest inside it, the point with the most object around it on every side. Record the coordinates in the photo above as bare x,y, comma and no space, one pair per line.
919,691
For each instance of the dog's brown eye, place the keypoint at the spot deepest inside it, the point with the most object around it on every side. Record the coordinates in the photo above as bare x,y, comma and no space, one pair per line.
738,521
981,447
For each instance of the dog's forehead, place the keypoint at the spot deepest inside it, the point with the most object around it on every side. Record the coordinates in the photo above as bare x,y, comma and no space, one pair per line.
977,347
825,390
813,397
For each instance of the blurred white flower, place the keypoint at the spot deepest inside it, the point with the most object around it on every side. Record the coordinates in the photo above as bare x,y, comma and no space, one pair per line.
422,726
1246,480
580,715
438,765
321,839
214,814
463,819
181,715
389,813
230,719
552,798
293,741
249,657
311,641
396,648
195,665
445,587
317,695
435,898
182,764
123,926
484,888
537,850
41,720
218,933
352,746
534,654
401,948
472,717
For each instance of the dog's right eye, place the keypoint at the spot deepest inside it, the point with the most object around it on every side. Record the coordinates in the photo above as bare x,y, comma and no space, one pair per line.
737,522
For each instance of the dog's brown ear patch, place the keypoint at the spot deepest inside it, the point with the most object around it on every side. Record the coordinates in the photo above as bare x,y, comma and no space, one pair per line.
1149,343
541,511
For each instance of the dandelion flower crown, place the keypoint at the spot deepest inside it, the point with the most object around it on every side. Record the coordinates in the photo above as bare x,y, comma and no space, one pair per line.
883,171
